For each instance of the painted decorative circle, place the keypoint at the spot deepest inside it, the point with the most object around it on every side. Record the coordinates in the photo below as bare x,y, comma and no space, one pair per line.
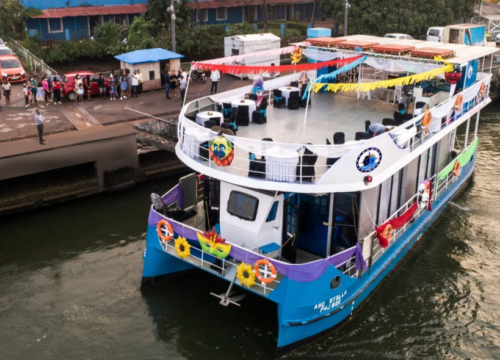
369,160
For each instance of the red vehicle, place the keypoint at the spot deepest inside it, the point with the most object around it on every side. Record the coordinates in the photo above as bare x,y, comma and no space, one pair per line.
12,69
94,89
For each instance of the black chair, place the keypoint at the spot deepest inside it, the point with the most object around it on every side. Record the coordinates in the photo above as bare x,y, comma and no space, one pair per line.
230,125
243,118
302,100
257,168
367,126
339,138
279,100
294,101
216,119
234,115
259,116
361,136
210,124
420,104
227,110
389,122
252,97
308,161
204,150
294,84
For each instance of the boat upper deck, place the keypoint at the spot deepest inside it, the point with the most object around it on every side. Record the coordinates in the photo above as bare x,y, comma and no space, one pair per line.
295,149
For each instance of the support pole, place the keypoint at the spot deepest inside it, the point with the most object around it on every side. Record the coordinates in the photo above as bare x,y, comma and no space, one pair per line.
173,24
345,16
466,133
477,124
187,86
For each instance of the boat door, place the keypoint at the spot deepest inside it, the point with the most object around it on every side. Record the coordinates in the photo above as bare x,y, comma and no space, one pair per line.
211,202
290,228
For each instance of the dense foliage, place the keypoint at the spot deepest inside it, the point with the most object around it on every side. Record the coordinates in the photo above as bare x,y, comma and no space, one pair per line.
403,16
12,19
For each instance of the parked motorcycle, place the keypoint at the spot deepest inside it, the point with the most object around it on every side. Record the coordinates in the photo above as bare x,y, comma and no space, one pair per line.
199,75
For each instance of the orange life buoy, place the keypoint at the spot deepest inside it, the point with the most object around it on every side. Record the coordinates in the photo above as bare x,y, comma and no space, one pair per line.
482,90
458,103
387,233
426,120
456,169
169,233
262,278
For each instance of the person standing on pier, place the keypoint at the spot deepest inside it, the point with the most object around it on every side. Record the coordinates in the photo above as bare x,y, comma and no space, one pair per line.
39,120
167,84
214,76
182,86
6,91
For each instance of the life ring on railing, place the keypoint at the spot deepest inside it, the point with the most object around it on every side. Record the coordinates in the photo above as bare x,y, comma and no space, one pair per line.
262,277
426,120
387,233
458,103
482,90
169,231
456,169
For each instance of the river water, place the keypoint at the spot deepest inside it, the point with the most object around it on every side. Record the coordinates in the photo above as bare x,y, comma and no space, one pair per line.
70,276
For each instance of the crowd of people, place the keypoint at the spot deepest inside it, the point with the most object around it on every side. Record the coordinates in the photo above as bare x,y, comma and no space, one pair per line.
174,79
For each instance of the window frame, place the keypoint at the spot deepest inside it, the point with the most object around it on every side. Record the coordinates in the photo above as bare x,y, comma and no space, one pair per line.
205,14
217,14
256,209
55,31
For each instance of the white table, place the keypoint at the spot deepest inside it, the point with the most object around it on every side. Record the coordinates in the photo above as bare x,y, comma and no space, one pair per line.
250,103
285,92
281,164
204,116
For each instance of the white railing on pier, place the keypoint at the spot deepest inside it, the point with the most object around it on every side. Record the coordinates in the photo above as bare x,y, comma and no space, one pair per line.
31,63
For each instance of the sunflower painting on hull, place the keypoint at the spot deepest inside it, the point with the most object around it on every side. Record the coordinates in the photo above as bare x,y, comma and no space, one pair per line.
221,151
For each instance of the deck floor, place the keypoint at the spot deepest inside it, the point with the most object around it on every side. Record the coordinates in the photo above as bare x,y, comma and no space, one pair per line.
328,114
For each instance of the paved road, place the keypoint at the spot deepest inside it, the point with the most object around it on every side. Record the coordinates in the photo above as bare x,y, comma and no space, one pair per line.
18,121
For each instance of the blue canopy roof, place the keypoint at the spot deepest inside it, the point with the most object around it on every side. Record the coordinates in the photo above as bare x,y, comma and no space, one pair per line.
148,55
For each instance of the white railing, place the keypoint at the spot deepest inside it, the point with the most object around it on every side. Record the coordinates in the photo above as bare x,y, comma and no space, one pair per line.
300,166
376,249
31,62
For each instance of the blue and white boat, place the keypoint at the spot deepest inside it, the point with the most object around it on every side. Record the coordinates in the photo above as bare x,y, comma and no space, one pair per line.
311,226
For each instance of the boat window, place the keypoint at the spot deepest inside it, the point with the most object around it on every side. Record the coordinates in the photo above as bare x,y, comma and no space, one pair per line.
433,32
345,219
243,205
273,212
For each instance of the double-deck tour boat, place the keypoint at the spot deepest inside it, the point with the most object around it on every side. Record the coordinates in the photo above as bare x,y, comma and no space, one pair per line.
309,188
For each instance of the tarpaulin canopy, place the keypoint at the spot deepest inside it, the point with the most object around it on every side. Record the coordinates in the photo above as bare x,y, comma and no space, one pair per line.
148,56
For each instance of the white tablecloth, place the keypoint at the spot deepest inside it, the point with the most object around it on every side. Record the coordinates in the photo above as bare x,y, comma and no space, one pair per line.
286,92
203,117
250,103
191,144
281,164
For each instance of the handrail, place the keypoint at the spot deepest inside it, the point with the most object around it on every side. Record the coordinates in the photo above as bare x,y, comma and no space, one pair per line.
29,56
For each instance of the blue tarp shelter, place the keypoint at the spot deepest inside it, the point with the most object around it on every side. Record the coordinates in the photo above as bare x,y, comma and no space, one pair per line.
149,62
148,56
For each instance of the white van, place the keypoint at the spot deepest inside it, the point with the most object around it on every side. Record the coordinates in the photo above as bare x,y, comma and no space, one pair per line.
435,34
399,36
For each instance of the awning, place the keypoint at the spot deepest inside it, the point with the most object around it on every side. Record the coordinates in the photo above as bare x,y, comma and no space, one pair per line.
92,10
214,4
148,56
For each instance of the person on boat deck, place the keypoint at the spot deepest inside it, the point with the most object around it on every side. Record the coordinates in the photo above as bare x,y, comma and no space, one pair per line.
157,202
407,96
378,129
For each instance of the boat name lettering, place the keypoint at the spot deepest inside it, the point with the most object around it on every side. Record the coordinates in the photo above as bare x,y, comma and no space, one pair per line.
331,303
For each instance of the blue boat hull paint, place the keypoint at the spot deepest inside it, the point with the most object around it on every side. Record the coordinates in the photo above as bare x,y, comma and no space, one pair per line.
310,310
159,265
299,330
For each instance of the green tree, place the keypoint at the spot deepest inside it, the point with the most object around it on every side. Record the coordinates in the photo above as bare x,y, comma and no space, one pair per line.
405,16
12,19
109,38
139,34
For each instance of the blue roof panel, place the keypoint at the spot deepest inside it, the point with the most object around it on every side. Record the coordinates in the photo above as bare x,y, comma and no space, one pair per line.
148,55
